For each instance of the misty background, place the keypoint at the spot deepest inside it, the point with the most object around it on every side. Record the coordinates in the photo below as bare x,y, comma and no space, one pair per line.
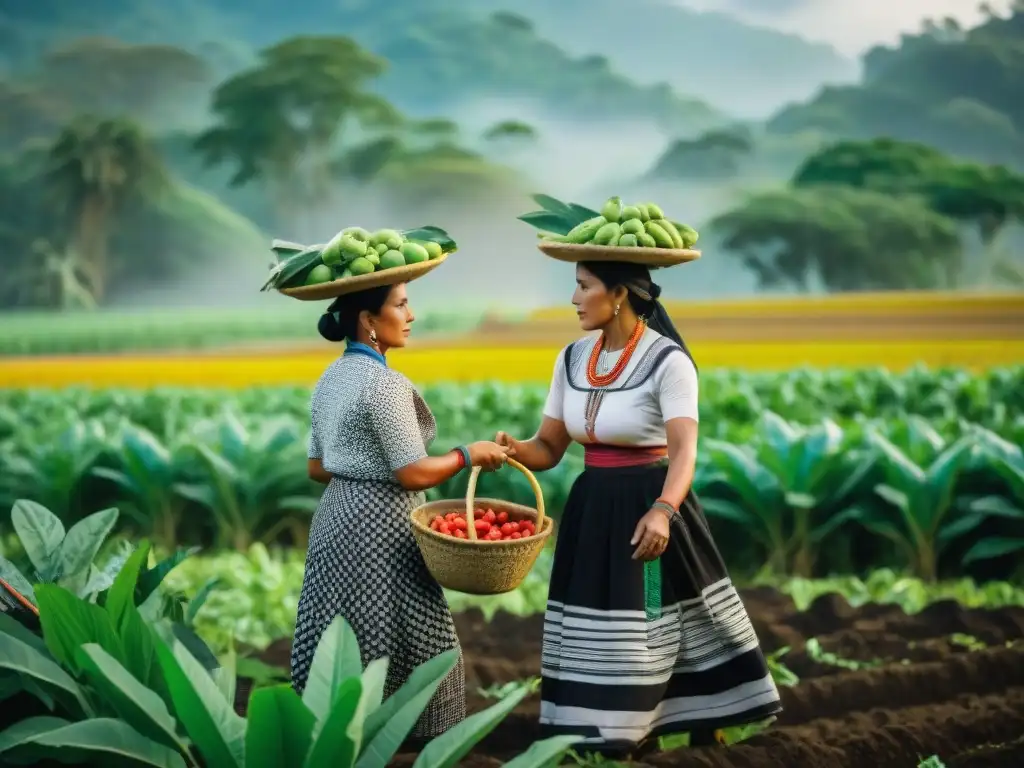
697,106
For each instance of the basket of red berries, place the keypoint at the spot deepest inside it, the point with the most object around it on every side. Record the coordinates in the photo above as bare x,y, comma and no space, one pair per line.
481,546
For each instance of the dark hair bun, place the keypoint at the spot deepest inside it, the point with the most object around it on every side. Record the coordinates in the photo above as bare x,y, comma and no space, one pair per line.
330,328
655,291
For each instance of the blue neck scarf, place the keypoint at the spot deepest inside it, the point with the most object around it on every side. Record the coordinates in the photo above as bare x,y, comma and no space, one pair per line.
358,348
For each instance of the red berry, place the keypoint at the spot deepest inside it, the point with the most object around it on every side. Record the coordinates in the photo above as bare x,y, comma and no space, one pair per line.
506,529
515,535
482,526
460,534
460,523
515,526
444,528
489,516
503,517
494,534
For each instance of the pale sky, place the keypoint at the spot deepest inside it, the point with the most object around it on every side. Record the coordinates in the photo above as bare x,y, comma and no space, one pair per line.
852,26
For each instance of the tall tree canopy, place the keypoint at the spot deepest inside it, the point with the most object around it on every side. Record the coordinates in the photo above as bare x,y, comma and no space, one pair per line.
849,239
987,197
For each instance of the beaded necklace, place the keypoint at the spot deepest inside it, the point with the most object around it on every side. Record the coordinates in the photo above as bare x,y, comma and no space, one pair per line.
603,380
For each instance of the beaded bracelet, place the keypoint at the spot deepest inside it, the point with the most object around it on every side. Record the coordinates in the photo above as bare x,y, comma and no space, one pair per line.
665,507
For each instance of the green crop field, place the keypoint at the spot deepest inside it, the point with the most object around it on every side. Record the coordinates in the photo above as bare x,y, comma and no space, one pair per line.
806,473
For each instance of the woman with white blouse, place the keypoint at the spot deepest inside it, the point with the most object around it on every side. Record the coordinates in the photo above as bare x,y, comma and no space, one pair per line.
644,633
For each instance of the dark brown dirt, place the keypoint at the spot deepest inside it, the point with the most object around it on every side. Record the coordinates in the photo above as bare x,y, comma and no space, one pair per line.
947,681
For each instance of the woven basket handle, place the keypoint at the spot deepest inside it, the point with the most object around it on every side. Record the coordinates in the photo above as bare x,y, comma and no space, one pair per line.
471,497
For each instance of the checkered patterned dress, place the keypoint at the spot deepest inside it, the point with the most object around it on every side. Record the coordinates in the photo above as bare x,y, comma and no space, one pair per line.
363,562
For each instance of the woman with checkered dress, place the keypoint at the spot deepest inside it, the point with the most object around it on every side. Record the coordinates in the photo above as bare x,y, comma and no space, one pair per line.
368,445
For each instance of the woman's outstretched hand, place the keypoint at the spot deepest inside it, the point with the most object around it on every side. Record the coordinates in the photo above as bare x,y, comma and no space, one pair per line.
487,455
503,438
651,535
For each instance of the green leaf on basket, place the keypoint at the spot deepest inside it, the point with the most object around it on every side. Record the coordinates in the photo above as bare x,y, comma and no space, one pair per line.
290,270
101,741
284,248
548,222
551,204
280,728
433,234
455,743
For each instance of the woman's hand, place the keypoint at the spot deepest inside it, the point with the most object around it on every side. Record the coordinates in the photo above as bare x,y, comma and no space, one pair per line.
503,438
651,534
487,455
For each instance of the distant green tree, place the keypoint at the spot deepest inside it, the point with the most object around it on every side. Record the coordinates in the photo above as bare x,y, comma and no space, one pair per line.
511,129
93,168
851,239
987,197
282,121
106,76
713,155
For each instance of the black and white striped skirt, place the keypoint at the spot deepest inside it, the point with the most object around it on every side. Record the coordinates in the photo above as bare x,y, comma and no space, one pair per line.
634,650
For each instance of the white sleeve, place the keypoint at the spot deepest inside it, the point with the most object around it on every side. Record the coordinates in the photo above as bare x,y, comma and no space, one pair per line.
677,388
554,406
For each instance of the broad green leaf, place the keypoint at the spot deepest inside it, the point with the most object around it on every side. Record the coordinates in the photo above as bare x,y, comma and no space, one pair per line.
285,248
335,660
852,480
547,752
899,468
194,644
803,501
151,578
455,743
292,267
41,533
551,204
225,674
989,549
374,679
100,741
25,660
14,628
139,706
386,729
11,685
941,478
339,740
833,523
209,720
122,594
726,510
260,673
996,506
548,222
69,622
200,598
14,577
280,728
965,523
895,497
83,541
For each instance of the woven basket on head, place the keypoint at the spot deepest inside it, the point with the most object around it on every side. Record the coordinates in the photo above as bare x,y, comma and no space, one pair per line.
345,285
653,258
472,565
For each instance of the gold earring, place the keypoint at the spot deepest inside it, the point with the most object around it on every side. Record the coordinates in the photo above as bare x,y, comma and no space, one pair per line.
373,337
616,310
